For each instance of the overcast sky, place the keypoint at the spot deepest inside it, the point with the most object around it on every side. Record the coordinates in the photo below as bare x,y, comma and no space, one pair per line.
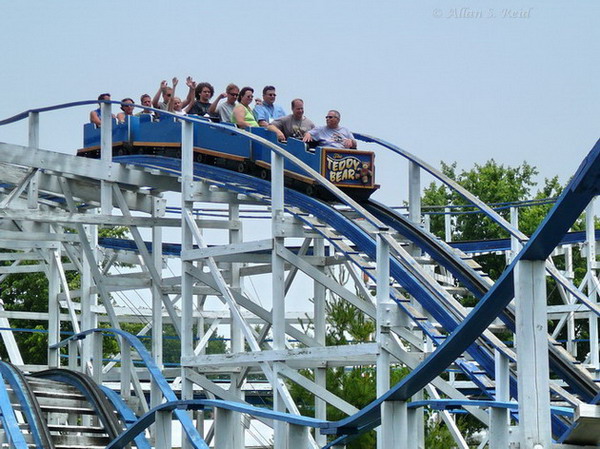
449,80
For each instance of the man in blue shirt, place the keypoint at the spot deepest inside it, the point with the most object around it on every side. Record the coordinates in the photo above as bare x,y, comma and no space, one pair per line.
268,111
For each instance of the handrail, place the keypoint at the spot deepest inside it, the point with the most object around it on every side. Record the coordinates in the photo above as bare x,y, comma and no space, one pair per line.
448,181
443,404
155,373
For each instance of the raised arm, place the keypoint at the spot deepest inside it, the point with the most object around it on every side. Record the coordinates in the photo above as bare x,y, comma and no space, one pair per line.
161,89
191,84
171,104
212,110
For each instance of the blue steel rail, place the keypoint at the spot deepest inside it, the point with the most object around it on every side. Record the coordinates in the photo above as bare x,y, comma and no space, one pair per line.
9,420
127,416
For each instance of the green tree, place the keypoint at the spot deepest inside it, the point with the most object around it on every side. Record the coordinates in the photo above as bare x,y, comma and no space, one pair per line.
29,292
494,184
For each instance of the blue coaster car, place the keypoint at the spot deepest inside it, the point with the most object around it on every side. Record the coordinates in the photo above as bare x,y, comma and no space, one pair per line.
351,170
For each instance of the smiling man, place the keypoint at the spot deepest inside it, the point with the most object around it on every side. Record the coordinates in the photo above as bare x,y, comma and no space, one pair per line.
224,109
268,111
294,125
332,134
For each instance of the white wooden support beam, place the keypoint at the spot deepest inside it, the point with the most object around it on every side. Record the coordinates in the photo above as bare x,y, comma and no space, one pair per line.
394,415
590,235
319,307
447,224
88,299
223,429
34,142
157,304
278,286
96,359
414,423
53,311
237,336
73,356
163,427
298,437
394,426
499,417
187,280
515,244
106,156
414,192
532,355
126,367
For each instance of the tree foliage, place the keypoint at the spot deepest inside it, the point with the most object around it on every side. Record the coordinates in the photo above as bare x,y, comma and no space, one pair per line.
494,184
29,292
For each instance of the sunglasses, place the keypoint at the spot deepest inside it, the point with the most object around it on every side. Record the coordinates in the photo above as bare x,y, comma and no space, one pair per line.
331,116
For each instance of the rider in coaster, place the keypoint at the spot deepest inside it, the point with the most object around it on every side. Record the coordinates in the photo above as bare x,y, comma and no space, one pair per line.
332,134
267,111
242,114
294,125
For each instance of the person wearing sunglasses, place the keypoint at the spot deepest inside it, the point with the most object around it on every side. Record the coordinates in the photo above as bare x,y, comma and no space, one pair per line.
166,92
223,110
127,108
332,134
267,110
242,114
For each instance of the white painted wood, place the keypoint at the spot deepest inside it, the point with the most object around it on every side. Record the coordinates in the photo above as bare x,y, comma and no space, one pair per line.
500,418
34,142
394,426
532,354
187,280
414,192
298,437
106,157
